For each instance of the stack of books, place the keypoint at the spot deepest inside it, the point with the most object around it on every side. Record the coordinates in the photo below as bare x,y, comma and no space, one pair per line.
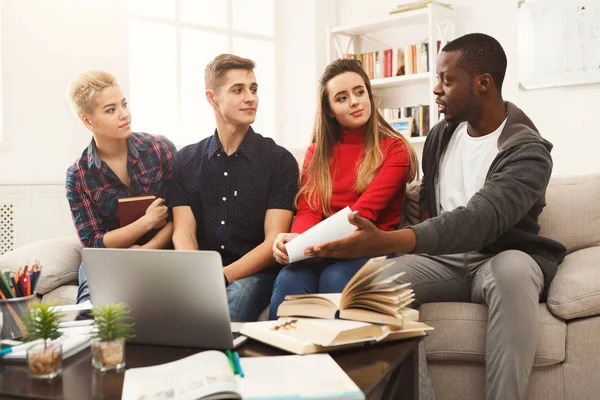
370,309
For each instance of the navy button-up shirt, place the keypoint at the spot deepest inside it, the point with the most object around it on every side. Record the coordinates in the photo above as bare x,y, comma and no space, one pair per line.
230,195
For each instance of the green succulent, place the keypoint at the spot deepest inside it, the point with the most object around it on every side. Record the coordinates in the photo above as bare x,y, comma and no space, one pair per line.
112,321
41,322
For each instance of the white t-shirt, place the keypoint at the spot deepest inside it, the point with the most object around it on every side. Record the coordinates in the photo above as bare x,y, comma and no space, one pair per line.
465,165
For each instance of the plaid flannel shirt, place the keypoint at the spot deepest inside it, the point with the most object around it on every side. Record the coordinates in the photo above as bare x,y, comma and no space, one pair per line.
93,188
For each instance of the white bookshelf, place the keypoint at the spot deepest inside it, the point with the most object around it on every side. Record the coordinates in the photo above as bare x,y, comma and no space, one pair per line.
433,23
400,80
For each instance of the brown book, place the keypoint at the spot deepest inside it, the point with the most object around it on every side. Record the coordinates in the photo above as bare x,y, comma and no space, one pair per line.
367,297
131,209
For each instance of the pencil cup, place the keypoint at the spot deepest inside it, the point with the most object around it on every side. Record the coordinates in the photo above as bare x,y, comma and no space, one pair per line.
12,311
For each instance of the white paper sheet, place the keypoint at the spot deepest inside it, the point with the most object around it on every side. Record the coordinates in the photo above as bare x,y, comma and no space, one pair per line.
333,228
315,376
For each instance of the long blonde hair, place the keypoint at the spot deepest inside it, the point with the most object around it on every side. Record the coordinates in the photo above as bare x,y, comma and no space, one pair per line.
327,133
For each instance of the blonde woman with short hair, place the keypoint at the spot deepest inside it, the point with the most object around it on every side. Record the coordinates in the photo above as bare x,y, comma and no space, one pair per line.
117,163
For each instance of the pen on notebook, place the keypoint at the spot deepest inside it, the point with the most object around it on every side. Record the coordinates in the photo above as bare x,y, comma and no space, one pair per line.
231,361
20,347
238,365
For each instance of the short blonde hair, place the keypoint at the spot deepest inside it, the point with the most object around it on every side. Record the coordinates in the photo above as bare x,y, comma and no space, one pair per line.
83,89
217,68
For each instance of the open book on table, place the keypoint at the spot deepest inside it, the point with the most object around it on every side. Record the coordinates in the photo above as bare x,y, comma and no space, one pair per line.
367,297
208,375
311,335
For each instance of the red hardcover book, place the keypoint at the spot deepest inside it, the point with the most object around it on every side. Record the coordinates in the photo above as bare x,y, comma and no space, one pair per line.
133,208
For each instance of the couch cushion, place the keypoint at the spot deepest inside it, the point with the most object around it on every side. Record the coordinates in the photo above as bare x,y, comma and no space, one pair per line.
460,331
572,213
62,296
60,258
575,290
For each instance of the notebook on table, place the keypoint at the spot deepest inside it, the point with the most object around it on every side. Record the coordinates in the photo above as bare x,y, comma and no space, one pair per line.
208,375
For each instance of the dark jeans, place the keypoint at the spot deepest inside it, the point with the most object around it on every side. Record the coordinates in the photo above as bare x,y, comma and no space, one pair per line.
313,276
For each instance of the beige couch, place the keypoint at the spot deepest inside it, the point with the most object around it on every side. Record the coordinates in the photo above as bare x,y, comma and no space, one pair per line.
568,357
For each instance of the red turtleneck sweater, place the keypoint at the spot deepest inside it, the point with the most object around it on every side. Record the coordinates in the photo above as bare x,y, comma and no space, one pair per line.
381,202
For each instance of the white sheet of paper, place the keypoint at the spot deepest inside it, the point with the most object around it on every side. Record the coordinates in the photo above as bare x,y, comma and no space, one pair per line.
69,312
315,376
333,228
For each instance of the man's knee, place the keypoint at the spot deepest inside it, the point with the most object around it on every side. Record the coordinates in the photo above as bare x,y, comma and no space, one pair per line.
513,267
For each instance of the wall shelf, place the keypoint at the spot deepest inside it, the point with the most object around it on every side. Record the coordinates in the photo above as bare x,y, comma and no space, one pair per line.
381,83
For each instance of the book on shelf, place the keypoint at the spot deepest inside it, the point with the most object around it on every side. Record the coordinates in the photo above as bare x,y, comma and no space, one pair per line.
209,375
131,209
313,335
416,5
387,63
367,297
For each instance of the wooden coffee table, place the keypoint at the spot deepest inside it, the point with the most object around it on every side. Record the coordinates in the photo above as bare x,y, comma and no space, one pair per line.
385,371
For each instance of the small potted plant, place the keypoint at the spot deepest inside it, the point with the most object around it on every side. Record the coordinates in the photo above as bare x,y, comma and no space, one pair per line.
112,326
44,359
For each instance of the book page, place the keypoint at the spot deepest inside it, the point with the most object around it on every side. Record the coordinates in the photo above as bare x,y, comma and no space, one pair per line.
315,376
190,378
332,228
327,332
366,271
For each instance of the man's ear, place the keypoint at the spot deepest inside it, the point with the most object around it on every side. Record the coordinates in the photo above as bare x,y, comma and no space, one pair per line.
86,122
211,97
484,82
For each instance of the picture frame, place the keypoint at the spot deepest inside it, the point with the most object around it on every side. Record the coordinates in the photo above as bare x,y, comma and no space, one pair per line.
403,125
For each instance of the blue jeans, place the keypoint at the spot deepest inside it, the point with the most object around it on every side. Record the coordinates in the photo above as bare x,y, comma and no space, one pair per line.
313,276
83,293
248,296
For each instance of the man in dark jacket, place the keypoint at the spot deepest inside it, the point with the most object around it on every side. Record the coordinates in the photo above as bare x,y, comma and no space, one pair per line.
486,169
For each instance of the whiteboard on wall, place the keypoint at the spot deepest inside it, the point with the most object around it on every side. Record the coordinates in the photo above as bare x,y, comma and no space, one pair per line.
559,43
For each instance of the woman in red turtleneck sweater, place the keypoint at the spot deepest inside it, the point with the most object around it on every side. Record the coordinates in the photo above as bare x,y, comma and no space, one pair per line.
356,159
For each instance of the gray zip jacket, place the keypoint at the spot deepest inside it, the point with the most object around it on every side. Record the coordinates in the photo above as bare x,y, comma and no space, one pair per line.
503,215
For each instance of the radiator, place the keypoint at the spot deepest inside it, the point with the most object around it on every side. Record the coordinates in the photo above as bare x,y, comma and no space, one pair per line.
7,233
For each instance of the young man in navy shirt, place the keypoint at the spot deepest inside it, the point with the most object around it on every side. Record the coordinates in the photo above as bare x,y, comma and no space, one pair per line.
233,192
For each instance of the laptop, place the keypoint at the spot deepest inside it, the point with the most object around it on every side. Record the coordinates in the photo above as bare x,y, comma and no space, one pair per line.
177,298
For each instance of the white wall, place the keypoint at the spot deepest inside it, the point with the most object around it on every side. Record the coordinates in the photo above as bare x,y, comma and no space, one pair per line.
565,116
44,45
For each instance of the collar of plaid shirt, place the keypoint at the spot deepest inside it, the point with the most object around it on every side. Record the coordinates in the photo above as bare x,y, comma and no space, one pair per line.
134,144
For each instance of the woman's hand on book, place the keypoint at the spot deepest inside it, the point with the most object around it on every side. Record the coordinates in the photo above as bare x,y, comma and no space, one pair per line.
156,214
279,252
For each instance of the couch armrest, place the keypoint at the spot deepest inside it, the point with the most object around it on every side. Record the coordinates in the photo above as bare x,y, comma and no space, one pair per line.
575,290
60,258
